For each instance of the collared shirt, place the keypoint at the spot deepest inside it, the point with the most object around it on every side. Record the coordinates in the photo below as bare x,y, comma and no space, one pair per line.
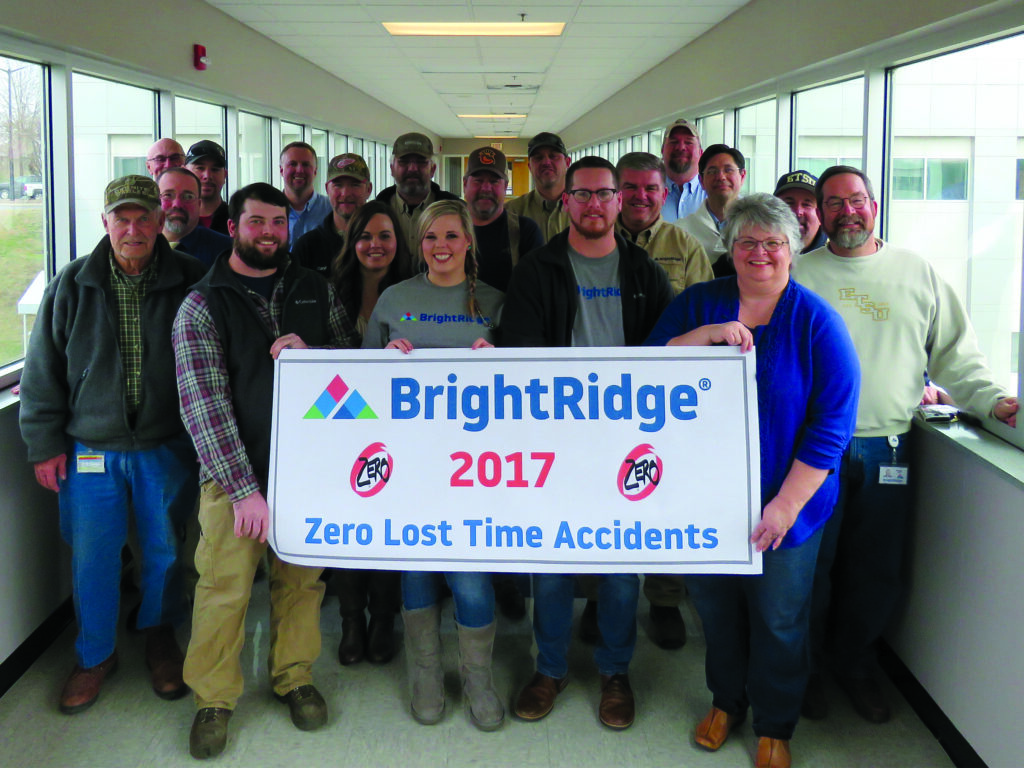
129,291
300,222
549,215
204,384
678,252
683,200
409,215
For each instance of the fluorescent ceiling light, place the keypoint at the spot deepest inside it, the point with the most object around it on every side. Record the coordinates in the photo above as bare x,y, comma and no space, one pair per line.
506,136
475,29
495,117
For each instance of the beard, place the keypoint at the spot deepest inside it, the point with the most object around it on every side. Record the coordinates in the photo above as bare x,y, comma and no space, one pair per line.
679,166
253,257
593,229
176,226
412,185
484,206
849,238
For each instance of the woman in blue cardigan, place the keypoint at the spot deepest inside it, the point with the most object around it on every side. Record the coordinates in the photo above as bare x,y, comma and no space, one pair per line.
808,379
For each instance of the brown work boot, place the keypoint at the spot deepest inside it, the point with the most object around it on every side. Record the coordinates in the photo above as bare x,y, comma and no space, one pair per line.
164,660
209,732
617,709
83,686
537,699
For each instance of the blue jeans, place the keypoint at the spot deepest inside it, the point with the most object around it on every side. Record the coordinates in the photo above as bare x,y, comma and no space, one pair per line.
472,593
756,628
160,486
617,598
858,585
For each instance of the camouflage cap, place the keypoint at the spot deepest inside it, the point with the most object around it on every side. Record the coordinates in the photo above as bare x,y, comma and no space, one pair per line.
348,164
131,190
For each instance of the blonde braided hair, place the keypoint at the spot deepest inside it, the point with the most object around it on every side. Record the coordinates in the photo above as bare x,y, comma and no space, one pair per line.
432,213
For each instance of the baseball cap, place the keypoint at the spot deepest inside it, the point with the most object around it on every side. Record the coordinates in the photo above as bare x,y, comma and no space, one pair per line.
796,180
721,149
348,164
206,148
131,190
487,159
681,123
413,144
546,139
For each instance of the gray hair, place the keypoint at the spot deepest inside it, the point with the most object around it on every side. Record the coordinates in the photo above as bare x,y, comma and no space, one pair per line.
765,211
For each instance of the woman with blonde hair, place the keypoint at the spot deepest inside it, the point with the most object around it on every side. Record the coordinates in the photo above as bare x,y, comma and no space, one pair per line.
446,306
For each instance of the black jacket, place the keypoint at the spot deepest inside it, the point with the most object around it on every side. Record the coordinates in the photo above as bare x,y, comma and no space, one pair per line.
317,248
72,386
541,301
388,193
246,339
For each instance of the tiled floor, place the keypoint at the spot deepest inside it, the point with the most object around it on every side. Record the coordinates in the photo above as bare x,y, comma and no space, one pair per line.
369,724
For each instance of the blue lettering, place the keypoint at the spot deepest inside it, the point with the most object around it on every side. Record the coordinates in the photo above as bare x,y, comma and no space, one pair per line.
710,538
474,406
647,410
564,536
682,397
314,526
404,401
567,394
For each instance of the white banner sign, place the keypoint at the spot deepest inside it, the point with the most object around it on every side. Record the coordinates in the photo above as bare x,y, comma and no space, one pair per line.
526,460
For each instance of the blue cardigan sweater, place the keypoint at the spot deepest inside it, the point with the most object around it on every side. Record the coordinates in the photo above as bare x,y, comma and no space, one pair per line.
808,379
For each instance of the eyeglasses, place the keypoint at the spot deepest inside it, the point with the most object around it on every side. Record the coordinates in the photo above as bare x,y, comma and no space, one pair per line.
177,157
835,204
583,195
187,197
748,244
727,171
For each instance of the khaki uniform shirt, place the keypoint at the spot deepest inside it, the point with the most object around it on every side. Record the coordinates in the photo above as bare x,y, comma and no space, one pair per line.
550,217
678,252
410,218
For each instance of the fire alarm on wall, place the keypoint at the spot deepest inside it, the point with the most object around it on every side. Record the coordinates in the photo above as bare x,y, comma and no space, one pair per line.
199,59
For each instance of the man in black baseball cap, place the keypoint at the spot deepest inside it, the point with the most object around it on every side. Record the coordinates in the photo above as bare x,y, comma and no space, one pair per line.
206,160
501,236
549,160
796,189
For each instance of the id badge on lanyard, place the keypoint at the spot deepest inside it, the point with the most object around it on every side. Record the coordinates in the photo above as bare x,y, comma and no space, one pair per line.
893,473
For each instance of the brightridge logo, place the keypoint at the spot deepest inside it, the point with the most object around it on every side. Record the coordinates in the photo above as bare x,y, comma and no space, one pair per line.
355,407
408,316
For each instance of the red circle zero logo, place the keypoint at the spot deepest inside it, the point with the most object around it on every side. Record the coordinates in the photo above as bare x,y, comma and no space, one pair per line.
371,471
640,473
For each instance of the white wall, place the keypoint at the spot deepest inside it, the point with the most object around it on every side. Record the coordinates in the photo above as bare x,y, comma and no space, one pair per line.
34,562
960,633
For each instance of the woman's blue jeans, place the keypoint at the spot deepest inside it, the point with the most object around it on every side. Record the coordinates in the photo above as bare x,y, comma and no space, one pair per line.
472,592
757,631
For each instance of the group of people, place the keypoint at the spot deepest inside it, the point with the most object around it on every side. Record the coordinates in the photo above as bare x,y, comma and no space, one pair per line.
115,417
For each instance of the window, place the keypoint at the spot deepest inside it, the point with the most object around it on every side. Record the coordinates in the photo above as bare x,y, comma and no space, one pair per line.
1020,178
290,132
253,149
22,208
828,126
197,120
955,133
340,143
929,179
756,140
711,129
115,124
318,139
